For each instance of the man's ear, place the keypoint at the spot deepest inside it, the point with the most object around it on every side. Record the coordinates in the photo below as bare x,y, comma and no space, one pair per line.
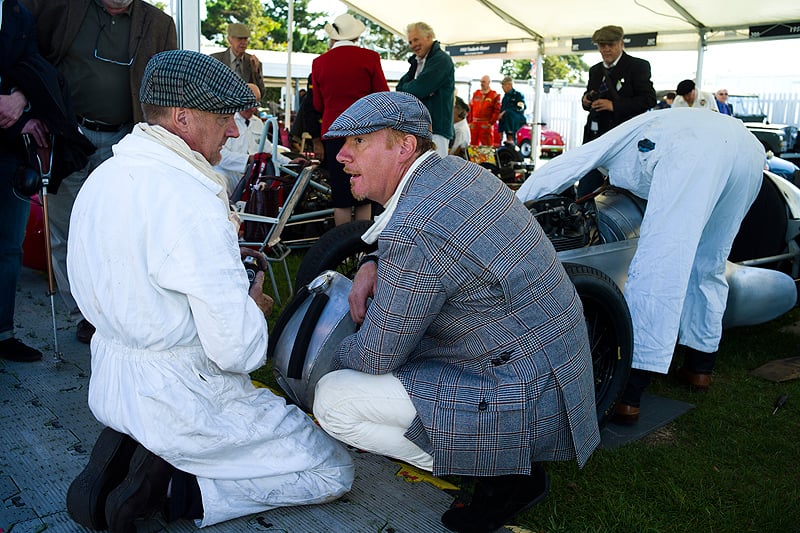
408,146
180,117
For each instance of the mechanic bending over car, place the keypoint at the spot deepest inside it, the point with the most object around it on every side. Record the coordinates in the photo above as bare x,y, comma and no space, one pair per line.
473,357
699,176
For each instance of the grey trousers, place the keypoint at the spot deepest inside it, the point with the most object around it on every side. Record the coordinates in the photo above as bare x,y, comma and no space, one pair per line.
60,208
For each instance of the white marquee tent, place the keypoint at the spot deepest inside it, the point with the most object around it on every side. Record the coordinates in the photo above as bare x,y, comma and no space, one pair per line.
532,28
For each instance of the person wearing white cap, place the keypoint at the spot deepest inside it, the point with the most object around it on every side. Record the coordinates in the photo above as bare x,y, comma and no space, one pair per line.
340,76
472,358
158,270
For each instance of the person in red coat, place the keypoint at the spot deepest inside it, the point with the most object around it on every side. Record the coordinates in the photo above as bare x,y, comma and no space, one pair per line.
484,110
340,76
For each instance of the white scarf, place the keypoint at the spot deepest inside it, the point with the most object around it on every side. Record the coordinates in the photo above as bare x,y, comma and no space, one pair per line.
374,231
177,145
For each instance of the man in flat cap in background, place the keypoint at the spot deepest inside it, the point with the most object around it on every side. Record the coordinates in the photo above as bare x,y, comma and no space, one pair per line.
472,358
159,271
619,87
687,95
246,66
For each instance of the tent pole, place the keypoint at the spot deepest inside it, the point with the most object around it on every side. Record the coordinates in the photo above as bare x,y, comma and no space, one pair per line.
536,136
287,120
701,50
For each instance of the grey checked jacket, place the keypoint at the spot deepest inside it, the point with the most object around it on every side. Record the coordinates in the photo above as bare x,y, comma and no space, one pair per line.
477,318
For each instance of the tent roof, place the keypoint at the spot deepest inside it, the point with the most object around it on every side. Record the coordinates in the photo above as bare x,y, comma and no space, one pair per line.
523,23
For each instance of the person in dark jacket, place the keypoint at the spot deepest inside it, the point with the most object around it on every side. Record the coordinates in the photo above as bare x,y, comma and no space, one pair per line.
101,48
619,87
432,79
16,43
512,110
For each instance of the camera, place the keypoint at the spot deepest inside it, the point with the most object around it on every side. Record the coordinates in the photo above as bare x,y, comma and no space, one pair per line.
251,268
592,95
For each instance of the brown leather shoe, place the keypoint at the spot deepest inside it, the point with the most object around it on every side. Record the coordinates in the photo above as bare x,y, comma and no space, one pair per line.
695,382
625,414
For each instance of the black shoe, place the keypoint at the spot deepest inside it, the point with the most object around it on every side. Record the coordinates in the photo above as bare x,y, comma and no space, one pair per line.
85,331
15,350
108,466
497,500
141,494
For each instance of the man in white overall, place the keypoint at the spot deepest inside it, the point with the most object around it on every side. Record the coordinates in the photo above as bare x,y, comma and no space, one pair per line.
699,175
155,264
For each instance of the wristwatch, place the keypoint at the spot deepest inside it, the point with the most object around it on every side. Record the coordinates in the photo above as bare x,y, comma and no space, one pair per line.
369,258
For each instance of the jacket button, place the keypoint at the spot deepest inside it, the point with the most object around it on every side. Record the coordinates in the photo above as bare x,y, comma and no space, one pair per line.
482,406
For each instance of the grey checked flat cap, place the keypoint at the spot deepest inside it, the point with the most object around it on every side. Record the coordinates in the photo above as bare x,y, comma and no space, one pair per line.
182,78
396,110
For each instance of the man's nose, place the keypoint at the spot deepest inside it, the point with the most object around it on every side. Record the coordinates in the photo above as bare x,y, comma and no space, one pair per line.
344,155
232,129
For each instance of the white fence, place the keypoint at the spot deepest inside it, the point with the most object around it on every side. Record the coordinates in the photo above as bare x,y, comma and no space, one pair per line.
562,111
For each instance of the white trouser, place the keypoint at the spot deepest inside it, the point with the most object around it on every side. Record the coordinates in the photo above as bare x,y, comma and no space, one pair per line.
442,144
369,412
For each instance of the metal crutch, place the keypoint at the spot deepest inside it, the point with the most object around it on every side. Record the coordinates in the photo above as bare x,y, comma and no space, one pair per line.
45,170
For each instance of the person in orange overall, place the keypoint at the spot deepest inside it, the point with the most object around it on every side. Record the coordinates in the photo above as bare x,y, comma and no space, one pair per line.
484,110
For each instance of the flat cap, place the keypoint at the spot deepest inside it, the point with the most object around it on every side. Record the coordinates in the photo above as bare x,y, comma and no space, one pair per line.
396,110
183,78
238,30
608,34
685,87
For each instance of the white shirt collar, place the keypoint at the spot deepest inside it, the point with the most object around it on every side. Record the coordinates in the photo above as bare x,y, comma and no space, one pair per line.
337,44
374,231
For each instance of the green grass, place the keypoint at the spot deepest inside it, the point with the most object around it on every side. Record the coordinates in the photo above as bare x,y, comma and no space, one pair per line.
728,465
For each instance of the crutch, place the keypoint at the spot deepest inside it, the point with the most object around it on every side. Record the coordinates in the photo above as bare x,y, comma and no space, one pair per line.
44,160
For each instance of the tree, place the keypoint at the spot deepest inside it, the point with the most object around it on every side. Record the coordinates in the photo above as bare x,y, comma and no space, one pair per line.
568,67
386,43
267,21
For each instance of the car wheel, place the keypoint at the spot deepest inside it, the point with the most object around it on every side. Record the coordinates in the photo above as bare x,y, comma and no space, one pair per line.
525,148
608,323
338,249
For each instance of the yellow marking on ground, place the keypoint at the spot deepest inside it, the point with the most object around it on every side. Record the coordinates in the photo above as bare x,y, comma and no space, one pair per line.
415,475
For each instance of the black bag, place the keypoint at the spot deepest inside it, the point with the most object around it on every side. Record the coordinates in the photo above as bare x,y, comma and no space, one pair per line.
266,196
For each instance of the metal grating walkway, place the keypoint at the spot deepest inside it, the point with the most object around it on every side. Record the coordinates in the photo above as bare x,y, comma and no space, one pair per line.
48,433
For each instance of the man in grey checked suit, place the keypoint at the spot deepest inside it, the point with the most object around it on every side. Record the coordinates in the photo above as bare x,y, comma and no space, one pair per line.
473,356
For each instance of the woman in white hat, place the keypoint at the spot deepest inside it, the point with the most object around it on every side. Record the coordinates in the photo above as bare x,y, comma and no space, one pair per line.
341,76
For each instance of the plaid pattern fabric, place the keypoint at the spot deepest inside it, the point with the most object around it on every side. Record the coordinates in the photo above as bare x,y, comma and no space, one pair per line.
475,315
183,78
396,110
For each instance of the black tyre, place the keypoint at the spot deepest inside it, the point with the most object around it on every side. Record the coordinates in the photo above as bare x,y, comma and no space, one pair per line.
337,249
610,335
525,148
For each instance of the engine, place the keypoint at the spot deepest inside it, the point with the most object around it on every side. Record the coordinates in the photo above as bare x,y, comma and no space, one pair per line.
567,224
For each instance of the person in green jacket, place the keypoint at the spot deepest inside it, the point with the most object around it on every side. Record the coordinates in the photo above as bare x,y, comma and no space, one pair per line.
431,78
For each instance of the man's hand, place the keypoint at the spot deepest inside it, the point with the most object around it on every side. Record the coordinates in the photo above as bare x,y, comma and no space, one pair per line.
38,130
603,104
11,108
259,257
363,287
263,301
